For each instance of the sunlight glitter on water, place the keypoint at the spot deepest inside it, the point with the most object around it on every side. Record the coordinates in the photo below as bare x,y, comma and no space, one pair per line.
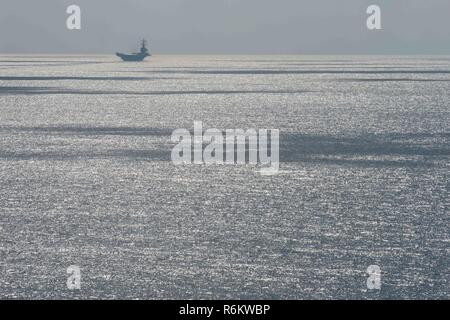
87,178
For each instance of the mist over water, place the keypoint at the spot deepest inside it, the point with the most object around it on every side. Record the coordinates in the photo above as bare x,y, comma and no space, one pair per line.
86,177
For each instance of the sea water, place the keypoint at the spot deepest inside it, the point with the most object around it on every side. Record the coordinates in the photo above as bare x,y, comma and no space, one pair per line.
86,177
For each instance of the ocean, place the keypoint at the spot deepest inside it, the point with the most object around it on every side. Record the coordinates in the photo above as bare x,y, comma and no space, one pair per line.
86,178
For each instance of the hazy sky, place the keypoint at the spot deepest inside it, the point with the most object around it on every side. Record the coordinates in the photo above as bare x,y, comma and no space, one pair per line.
226,26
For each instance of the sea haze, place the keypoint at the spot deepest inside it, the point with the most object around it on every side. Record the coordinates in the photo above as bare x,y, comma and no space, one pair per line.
86,177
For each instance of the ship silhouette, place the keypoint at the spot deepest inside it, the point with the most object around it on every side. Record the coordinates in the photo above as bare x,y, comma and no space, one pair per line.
139,56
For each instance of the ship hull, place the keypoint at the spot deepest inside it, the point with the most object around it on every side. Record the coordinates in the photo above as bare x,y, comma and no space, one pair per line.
132,57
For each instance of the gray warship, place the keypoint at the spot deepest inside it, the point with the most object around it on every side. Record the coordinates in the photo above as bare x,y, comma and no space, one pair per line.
139,56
